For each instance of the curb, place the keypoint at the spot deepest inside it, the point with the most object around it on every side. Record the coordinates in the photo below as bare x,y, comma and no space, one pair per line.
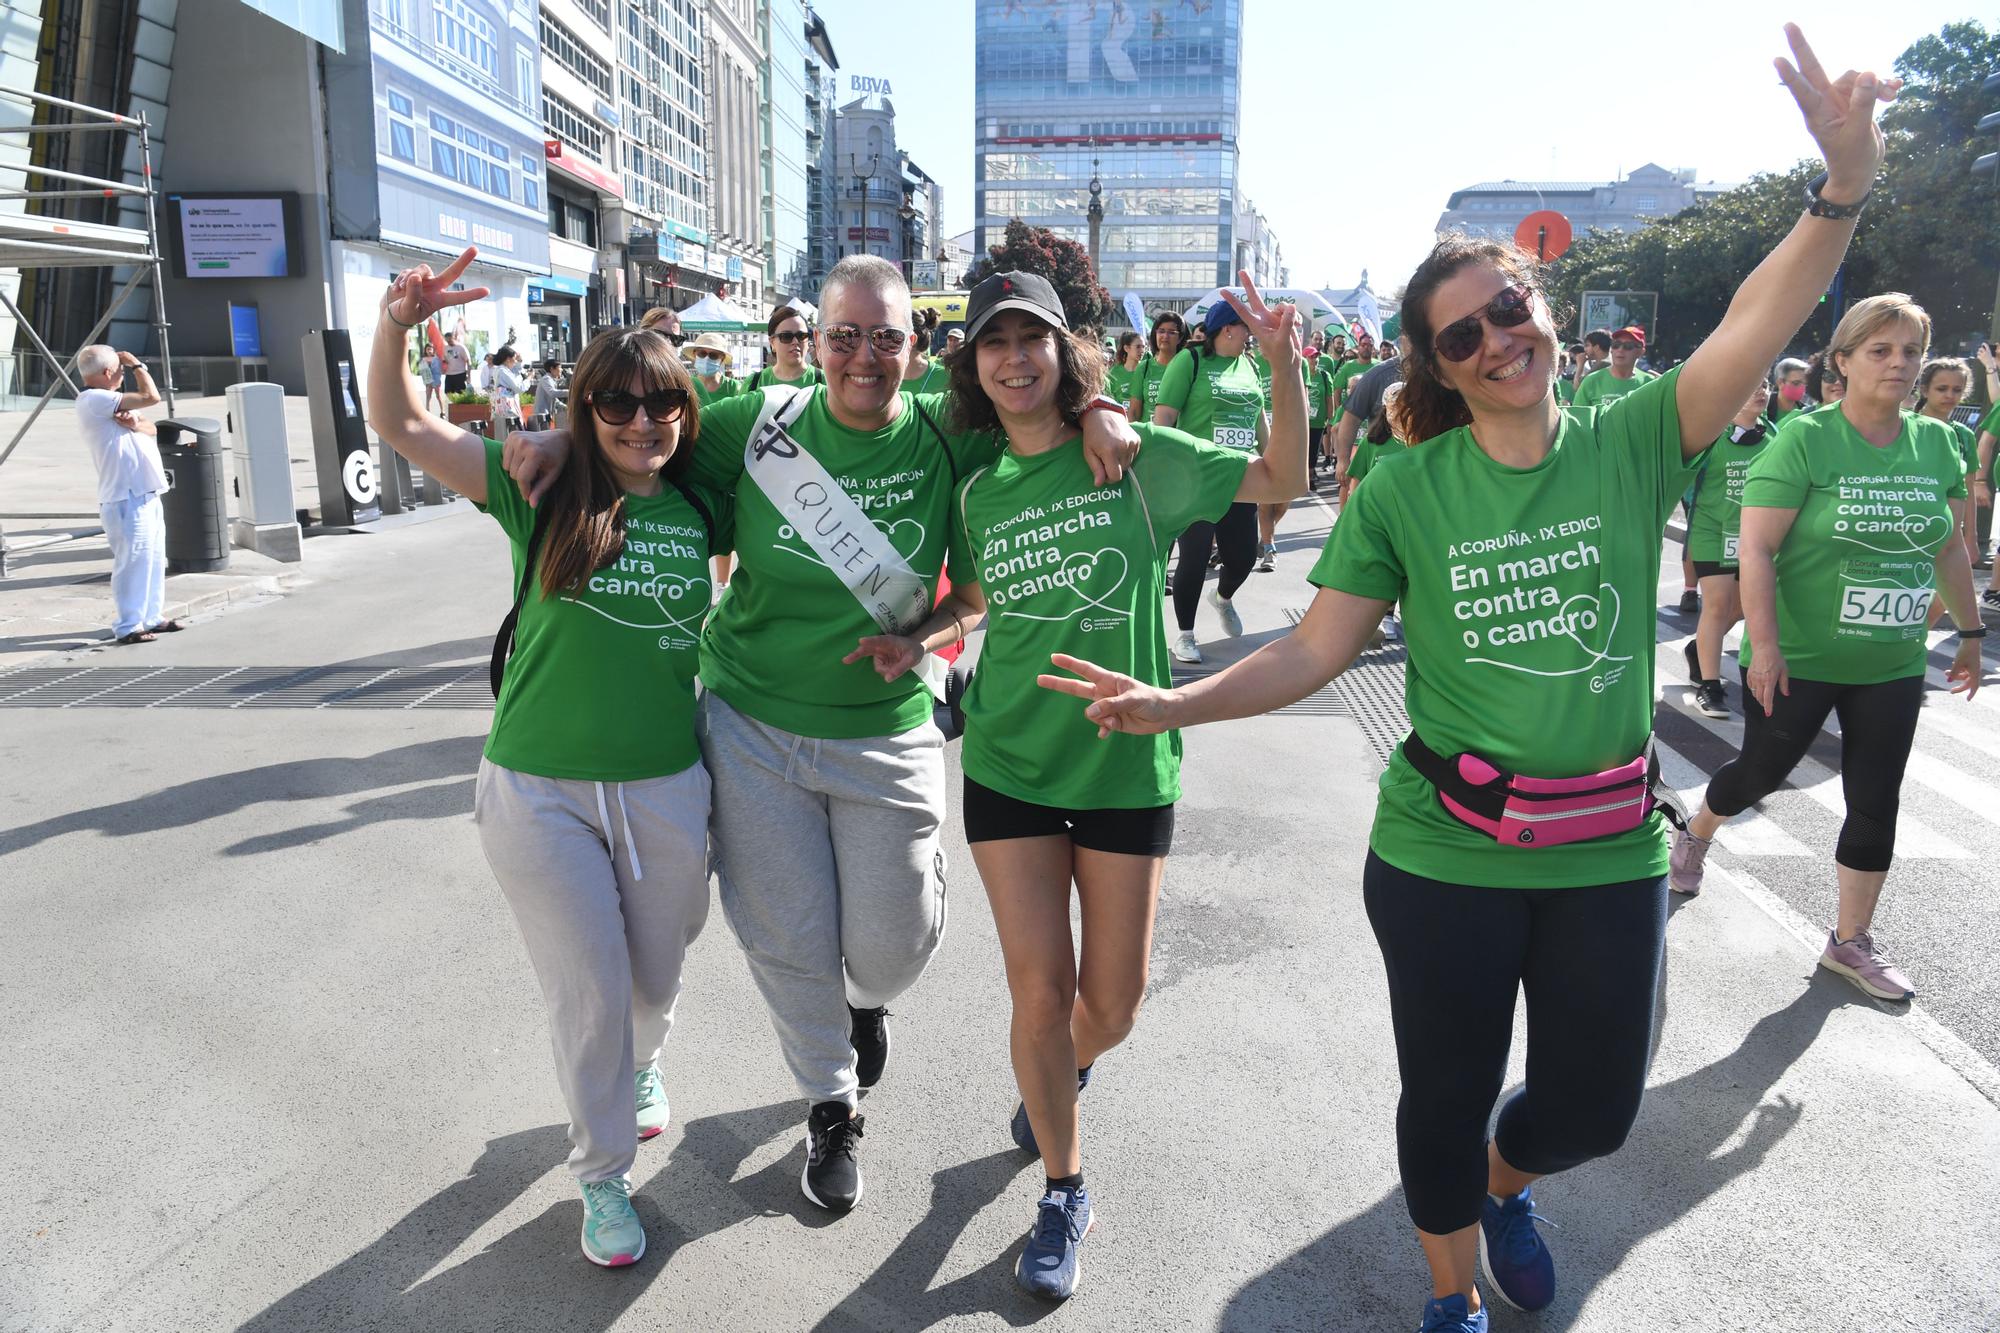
211,599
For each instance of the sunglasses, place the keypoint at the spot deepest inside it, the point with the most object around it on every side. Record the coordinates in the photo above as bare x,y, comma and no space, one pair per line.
790,336
846,338
1460,339
1624,347
618,407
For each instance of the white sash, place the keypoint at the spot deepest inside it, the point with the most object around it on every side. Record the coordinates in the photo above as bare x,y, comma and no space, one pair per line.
828,520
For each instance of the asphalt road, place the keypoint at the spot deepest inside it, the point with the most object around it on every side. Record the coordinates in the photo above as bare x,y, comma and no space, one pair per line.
275,1058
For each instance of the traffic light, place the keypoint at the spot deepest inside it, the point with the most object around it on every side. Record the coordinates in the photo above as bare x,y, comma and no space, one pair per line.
1988,164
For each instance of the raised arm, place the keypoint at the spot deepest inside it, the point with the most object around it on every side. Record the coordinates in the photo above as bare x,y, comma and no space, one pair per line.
1279,472
1780,292
395,410
147,395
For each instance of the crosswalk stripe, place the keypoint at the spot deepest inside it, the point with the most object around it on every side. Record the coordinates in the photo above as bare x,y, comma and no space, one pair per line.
1751,833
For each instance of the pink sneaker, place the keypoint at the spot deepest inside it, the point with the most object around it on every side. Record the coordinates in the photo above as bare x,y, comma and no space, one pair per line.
1865,965
1684,864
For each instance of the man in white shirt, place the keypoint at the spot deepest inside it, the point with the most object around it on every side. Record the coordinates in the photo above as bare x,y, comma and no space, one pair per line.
130,482
457,364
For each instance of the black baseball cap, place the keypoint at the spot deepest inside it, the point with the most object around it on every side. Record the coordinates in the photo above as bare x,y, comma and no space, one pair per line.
1012,291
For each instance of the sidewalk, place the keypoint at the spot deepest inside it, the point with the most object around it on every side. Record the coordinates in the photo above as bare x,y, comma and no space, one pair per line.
57,596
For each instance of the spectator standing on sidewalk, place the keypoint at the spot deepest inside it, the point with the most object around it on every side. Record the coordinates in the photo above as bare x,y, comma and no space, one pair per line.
130,482
457,364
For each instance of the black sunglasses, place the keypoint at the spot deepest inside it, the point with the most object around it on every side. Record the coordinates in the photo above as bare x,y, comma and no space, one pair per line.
1510,308
1624,347
791,336
846,338
618,407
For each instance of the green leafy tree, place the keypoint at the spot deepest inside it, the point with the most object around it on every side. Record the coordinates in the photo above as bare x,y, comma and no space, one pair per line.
1930,229
1025,249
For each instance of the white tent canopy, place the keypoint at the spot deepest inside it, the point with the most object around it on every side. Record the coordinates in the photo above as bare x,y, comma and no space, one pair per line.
712,314
1314,306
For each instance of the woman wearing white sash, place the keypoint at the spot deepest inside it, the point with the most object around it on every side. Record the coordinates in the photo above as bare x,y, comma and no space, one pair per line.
828,771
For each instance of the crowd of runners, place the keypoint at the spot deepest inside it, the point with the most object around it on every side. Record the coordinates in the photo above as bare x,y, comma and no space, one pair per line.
1502,502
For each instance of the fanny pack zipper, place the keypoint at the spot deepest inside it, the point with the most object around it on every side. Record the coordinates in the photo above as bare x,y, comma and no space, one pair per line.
1527,818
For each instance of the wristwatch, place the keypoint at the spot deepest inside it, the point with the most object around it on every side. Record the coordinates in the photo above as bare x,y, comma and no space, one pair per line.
1819,208
1977,633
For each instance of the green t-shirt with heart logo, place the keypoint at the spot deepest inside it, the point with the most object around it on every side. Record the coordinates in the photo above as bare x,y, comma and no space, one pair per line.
601,684
1146,385
1069,567
1119,382
1718,494
1527,608
1319,393
1219,398
1858,569
773,646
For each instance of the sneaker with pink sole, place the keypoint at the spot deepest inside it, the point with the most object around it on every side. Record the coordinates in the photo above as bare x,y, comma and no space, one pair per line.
1684,863
1864,964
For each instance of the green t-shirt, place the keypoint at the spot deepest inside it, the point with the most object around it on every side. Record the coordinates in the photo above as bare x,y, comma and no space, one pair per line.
1068,567
935,379
1219,398
725,388
1146,386
1718,494
1118,381
601,684
1367,455
1319,394
1968,445
1349,371
1527,595
1565,391
1858,569
1263,369
774,645
767,378
1601,386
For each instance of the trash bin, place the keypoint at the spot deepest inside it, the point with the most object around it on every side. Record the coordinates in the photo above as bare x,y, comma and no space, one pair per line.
196,512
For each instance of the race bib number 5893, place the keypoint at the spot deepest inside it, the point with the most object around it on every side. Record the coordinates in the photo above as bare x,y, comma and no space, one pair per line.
1237,437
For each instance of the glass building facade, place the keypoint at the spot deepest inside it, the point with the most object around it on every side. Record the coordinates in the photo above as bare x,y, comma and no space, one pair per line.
1142,93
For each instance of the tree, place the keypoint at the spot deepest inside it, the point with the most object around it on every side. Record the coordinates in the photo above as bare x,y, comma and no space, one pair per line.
1929,229
1063,262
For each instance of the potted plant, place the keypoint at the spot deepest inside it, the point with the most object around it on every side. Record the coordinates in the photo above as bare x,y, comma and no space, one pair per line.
468,407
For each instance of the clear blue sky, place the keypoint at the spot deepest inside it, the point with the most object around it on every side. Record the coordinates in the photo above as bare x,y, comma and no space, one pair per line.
1360,119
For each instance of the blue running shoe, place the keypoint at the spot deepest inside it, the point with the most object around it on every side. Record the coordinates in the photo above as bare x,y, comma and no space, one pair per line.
1512,1255
1049,1265
1447,1315
1024,1133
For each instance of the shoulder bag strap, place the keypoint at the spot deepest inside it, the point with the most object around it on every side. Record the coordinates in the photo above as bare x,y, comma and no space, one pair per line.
503,642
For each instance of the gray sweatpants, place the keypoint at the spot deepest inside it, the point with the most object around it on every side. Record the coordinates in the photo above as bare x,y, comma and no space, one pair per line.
829,871
609,884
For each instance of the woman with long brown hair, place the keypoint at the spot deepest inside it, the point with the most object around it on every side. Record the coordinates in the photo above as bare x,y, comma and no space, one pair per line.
1508,854
592,801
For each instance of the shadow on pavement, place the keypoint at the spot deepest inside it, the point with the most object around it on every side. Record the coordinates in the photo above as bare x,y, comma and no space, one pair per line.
1368,1273
899,1295
448,764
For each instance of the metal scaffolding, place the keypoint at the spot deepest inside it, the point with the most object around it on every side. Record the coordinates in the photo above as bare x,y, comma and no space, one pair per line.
39,241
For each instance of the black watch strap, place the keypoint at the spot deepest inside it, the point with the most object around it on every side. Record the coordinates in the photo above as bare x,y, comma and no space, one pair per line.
1978,632
1820,208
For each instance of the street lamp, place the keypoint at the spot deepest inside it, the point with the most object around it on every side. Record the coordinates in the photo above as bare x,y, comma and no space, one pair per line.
862,181
908,214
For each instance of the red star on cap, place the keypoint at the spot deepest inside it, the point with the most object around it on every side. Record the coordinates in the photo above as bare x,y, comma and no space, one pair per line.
1006,284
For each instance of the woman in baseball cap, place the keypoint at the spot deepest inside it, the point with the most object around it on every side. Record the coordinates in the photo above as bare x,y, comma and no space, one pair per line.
1066,567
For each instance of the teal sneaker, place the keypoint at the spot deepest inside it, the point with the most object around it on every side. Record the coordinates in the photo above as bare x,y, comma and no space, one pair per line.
652,1098
612,1236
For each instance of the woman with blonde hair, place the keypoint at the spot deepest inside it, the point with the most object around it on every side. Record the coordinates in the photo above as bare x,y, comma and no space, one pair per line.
1850,527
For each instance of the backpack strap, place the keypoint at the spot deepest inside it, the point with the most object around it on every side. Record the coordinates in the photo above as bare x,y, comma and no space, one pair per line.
695,503
951,461
503,642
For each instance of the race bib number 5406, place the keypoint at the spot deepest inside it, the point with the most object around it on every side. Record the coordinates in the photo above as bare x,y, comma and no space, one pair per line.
1888,611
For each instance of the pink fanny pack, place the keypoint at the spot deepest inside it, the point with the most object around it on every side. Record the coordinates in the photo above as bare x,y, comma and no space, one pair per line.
1546,812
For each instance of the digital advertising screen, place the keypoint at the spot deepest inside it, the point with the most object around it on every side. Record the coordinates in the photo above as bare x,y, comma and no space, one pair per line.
241,236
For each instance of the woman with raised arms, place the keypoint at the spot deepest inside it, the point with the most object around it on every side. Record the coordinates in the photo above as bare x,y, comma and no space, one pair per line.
1523,541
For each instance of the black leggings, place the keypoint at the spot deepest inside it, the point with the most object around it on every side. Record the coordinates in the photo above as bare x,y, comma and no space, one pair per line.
1878,723
1589,960
1235,534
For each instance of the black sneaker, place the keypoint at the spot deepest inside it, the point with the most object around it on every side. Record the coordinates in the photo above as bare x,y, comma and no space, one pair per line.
1024,1132
1693,661
1990,597
832,1176
1710,700
870,1037
1690,603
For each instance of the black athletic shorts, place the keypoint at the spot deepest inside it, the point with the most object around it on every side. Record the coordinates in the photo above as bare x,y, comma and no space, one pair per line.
1707,569
991,816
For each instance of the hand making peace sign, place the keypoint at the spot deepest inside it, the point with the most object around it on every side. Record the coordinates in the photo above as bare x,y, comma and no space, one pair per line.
1276,331
1840,115
416,294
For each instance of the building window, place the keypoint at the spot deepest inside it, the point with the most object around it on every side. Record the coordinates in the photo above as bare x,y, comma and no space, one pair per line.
531,186
1646,203
570,125
468,35
568,51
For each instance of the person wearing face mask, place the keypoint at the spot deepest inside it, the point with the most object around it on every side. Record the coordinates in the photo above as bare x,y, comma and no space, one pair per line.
1791,375
1213,394
785,342
1050,812
1714,526
829,771
1621,376
1850,528
592,800
708,360
1511,534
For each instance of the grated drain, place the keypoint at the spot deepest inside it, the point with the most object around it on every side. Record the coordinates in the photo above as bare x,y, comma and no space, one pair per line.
457,686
